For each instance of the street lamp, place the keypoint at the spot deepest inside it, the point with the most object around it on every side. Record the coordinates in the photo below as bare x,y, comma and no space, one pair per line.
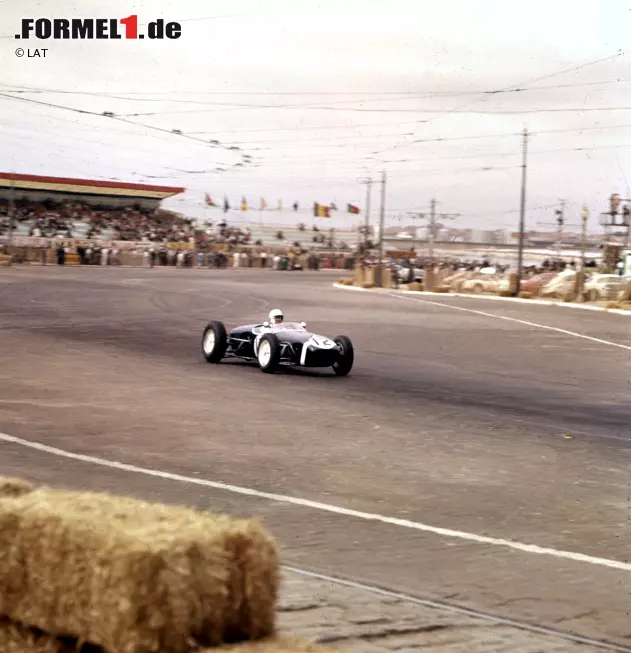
581,274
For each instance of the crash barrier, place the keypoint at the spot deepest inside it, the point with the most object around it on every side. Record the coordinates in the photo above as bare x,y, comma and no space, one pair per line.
131,576
5,261
366,277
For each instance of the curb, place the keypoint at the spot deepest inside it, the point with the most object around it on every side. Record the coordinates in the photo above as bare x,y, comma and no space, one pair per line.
536,302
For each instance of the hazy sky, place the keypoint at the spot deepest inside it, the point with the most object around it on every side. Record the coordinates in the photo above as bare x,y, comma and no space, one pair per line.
322,94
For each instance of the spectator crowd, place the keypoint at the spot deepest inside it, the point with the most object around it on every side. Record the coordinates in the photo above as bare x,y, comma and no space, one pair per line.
49,219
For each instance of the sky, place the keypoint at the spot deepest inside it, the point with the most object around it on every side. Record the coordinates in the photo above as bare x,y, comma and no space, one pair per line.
316,97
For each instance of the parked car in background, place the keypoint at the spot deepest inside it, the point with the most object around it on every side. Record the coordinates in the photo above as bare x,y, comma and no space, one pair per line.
603,287
531,284
485,280
560,285
409,274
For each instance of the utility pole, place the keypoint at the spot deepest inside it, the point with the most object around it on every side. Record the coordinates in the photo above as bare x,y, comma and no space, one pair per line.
522,208
11,216
560,213
432,225
431,236
382,219
368,183
581,278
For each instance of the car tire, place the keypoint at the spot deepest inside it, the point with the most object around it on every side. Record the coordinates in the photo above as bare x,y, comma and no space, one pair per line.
268,353
214,342
346,358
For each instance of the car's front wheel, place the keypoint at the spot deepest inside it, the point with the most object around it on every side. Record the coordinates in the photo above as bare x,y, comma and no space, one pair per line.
346,356
268,353
214,342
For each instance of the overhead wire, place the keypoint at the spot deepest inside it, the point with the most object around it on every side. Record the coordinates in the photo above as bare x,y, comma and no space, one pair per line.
532,80
135,96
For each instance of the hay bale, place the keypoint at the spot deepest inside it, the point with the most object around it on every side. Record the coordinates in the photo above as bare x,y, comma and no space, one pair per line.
275,645
611,305
524,294
18,639
505,293
442,289
415,286
11,487
134,577
367,285
625,296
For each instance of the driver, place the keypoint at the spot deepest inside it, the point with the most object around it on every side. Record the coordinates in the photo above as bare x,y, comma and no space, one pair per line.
276,316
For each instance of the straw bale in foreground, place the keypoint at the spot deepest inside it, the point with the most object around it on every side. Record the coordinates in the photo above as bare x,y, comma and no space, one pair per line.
18,639
134,577
275,645
14,487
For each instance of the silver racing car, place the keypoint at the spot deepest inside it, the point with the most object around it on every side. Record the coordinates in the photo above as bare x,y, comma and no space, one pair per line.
275,345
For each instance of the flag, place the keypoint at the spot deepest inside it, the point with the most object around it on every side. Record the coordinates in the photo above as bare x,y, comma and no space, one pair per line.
279,207
262,205
226,204
295,206
321,211
209,200
244,204
350,208
332,206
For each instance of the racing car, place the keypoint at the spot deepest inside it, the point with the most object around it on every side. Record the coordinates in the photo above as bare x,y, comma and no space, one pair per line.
273,346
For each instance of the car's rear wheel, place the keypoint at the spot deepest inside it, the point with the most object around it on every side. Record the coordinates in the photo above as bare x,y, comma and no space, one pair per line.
214,342
346,356
268,353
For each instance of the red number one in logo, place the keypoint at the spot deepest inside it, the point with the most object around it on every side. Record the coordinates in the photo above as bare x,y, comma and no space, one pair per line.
131,26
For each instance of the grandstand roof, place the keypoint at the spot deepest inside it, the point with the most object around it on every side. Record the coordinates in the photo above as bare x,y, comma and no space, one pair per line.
86,186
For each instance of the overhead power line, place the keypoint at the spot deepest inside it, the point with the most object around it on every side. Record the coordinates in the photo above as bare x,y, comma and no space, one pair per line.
532,80
136,96
113,117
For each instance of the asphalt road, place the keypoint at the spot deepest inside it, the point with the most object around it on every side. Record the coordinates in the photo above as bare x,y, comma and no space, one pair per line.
454,419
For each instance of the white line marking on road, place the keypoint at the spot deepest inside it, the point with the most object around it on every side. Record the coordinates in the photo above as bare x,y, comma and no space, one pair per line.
512,319
325,507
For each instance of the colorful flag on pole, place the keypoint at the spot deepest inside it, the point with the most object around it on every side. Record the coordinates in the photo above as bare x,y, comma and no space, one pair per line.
321,211
332,206
352,209
209,200
295,206
244,204
226,204
262,205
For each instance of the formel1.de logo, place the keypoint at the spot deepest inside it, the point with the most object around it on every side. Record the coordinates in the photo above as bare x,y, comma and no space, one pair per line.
96,28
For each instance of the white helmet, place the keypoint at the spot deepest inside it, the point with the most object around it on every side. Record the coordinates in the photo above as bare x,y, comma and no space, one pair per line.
276,316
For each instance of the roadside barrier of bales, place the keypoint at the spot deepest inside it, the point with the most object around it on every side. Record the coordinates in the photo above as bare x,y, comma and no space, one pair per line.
5,261
129,576
432,284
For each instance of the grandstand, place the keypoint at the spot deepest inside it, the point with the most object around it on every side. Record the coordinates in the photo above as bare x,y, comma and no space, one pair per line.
36,195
